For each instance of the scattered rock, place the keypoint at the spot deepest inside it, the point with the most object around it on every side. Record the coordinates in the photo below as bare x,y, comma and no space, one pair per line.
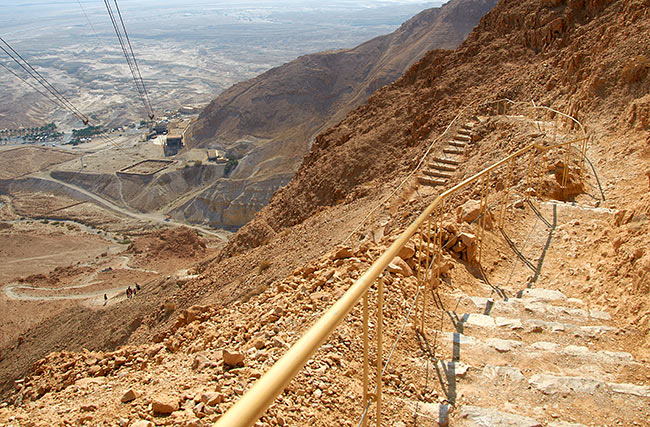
399,266
233,358
164,404
129,396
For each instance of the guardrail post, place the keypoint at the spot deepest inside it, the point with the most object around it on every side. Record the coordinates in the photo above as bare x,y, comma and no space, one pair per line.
531,172
565,172
483,212
427,274
438,254
380,342
419,264
506,194
364,421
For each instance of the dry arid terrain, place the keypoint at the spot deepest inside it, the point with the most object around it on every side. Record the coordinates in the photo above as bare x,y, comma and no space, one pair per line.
547,322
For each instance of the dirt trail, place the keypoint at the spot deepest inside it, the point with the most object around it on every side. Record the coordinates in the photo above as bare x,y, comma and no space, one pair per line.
145,217
12,290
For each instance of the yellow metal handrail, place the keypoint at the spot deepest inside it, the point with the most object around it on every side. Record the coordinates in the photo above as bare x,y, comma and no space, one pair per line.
254,402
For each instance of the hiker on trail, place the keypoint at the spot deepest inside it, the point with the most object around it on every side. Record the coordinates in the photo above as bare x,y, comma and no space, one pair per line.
128,292
105,299
133,292
137,286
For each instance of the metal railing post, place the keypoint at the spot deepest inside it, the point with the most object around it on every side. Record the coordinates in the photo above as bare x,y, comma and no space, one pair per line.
380,343
364,421
506,194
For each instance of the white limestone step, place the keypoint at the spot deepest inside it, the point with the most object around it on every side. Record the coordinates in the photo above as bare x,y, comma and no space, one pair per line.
553,384
447,161
536,307
490,417
459,144
436,173
531,325
563,354
424,180
442,167
453,151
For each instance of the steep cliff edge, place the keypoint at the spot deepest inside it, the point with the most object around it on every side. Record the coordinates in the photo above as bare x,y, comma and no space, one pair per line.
273,118
579,56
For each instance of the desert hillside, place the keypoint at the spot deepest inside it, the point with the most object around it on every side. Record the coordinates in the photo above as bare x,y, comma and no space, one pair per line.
549,327
270,121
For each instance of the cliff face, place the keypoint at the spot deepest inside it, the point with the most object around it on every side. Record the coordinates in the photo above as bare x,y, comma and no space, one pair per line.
579,56
272,119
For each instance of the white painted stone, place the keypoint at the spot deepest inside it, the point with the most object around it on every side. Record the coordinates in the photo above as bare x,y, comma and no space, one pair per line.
480,320
593,331
543,294
502,346
545,346
637,390
551,384
599,314
506,322
508,372
489,417
577,350
617,355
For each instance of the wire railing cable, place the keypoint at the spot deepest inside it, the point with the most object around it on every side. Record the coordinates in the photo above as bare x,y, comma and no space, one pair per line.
25,65
129,55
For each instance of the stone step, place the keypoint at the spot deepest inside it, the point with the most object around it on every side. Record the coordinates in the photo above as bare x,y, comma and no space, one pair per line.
459,144
468,125
546,398
442,167
436,173
540,329
464,131
540,357
453,151
488,417
431,181
465,138
447,161
527,308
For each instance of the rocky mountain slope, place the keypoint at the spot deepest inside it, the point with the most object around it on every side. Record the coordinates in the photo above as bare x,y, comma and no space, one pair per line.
588,319
271,120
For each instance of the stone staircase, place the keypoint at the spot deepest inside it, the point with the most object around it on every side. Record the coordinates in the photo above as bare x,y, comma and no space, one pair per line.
537,359
439,169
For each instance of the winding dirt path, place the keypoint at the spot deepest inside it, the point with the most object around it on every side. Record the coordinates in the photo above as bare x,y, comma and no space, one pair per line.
13,290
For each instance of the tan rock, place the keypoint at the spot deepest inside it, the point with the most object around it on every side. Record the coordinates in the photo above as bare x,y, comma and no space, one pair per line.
88,408
200,362
258,343
399,266
212,398
164,404
407,251
341,253
129,396
468,211
142,423
233,358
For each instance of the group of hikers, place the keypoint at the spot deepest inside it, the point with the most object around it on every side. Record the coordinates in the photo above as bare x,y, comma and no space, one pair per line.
130,292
